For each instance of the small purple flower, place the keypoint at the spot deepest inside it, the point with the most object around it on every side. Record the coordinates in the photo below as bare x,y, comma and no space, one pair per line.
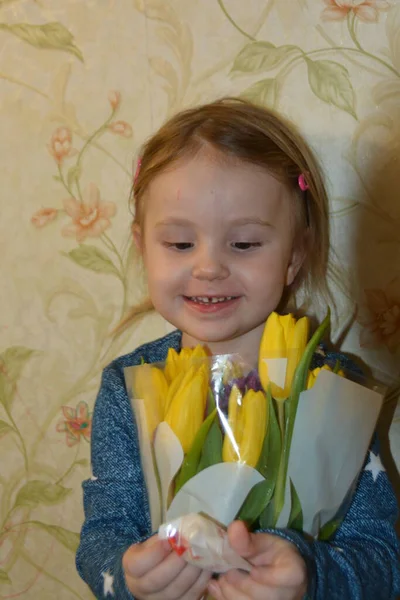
253,381
250,382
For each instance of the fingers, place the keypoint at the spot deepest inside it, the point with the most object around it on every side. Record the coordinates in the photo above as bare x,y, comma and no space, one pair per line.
257,548
173,577
154,572
229,588
140,558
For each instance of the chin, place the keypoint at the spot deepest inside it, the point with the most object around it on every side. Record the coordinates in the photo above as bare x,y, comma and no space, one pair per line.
210,336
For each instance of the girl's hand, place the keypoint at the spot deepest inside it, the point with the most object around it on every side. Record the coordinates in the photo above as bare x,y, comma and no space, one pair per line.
154,572
279,571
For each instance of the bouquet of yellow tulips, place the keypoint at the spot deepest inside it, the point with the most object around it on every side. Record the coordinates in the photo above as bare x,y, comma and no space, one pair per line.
262,445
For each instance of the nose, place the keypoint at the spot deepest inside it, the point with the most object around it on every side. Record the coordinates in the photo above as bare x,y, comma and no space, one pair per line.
209,264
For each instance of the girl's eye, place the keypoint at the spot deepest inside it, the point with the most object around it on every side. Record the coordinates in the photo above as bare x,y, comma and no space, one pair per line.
245,245
179,245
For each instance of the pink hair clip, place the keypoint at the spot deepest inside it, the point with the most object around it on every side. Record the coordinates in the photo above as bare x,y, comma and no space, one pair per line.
138,165
303,185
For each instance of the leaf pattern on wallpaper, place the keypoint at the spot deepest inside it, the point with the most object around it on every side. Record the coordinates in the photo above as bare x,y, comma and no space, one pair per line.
4,578
264,92
177,37
67,538
330,81
5,428
262,56
49,36
12,361
94,259
38,492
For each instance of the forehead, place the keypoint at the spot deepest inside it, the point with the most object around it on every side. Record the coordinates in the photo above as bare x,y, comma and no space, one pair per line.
209,181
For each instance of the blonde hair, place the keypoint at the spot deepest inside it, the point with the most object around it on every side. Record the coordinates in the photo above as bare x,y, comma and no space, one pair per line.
238,129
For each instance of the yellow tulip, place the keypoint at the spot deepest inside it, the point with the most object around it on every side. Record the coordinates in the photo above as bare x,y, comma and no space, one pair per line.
176,363
173,388
185,413
312,375
248,422
230,450
171,368
283,337
151,386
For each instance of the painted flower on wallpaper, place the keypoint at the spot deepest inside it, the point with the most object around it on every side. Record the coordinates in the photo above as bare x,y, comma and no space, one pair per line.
114,97
77,423
381,321
60,146
121,128
43,216
91,217
365,10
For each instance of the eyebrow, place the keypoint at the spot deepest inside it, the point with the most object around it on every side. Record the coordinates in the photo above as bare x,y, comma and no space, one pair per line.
234,223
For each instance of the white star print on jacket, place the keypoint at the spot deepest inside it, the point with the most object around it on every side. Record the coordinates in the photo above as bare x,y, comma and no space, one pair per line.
108,584
375,465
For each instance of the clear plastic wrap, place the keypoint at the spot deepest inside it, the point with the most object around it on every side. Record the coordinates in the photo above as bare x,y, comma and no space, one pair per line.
218,439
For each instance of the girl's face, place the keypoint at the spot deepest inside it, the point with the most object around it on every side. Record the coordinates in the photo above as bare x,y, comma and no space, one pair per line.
217,244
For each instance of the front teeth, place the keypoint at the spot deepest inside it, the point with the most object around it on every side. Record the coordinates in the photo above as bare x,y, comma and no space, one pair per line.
206,300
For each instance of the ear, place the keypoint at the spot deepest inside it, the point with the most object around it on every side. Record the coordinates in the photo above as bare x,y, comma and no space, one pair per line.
296,260
137,237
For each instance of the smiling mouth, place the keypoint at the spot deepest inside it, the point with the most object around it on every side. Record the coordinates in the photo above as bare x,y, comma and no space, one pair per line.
210,299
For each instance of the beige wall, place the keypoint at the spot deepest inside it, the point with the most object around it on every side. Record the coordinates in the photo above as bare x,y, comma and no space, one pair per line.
82,83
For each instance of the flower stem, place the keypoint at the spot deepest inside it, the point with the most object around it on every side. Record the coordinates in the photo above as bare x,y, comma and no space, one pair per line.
95,134
281,417
236,26
70,468
60,174
31,88
21,439
110,244
351,26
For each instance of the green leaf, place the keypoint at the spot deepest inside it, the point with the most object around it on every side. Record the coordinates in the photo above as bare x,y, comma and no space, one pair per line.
296,512
12,361
262,56
330,82
270,467
212,449
210,402
73,175
5,428
38,492
264,92
329,529
192,458
4,578
268,463
298,385
69,539
53,36
94,259
256,502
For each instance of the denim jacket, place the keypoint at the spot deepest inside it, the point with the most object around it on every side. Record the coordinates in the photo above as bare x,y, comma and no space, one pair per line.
361,562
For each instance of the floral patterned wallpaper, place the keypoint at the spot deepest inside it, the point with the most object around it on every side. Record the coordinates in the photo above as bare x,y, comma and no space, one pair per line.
82,84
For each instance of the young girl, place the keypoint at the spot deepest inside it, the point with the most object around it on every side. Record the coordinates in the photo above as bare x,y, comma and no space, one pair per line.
231,220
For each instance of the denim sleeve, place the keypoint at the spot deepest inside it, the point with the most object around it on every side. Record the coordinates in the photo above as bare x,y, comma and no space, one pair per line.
361,562
115,500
